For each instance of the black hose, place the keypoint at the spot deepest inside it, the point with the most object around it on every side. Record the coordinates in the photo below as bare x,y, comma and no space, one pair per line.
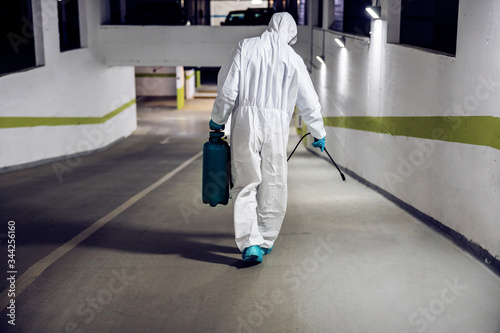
331,159
298,143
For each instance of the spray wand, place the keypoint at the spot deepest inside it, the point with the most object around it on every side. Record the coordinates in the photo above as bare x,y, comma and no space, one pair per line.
331,159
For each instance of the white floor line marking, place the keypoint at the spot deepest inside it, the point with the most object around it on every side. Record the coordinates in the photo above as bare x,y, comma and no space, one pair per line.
34,271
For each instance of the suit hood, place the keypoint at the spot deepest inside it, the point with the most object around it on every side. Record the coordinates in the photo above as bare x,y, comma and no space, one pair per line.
284,25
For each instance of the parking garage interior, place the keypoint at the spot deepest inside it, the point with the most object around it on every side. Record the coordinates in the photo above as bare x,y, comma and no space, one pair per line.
105,110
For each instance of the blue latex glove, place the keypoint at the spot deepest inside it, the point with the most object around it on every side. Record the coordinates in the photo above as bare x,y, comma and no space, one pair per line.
319,143
214,126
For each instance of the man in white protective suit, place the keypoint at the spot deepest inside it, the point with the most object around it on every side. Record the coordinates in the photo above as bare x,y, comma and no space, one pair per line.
260,84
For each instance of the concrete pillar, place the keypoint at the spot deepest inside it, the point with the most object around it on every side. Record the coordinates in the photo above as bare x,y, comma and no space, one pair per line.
190,84
38,33
391,12
179,72
198,78
328,13
123,10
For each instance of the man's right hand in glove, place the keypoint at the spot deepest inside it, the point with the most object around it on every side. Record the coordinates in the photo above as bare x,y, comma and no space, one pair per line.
319,143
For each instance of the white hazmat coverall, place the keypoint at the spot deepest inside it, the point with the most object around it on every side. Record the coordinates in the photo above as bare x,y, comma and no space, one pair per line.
260,84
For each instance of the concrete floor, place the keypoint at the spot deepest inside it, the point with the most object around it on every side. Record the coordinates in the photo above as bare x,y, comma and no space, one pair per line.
347,259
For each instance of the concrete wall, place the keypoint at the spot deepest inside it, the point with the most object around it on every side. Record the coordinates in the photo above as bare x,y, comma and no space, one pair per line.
177,46
409,121
170,45
66,90
155,81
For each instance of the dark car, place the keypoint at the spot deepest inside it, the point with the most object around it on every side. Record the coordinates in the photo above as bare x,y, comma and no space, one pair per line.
156,13
251,16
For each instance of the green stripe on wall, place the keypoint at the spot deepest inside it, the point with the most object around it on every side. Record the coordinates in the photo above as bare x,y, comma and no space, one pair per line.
13,122
155,75
475,130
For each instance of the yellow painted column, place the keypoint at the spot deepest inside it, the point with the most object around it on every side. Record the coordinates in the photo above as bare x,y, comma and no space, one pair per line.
179,72
198,78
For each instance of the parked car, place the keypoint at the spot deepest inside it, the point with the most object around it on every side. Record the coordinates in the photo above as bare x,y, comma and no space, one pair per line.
156,13
250,16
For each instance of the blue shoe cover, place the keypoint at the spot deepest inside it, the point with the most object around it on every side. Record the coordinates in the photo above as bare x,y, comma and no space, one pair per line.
252,254
265,250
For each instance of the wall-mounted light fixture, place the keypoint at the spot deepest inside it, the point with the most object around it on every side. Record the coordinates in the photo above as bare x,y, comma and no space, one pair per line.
321,59
340,41
374,11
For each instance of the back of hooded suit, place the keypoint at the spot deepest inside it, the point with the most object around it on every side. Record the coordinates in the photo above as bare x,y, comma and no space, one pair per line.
260,84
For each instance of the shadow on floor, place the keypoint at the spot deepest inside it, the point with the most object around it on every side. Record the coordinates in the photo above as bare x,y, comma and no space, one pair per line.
203,247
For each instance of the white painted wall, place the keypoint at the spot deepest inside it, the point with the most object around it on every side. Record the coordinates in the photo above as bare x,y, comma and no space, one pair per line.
70,84
155,85
457,184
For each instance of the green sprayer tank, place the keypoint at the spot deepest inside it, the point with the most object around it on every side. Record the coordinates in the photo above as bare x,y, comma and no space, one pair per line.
216,170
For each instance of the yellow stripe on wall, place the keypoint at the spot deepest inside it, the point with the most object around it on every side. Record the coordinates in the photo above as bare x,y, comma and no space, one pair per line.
156,75
13,122
475,130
